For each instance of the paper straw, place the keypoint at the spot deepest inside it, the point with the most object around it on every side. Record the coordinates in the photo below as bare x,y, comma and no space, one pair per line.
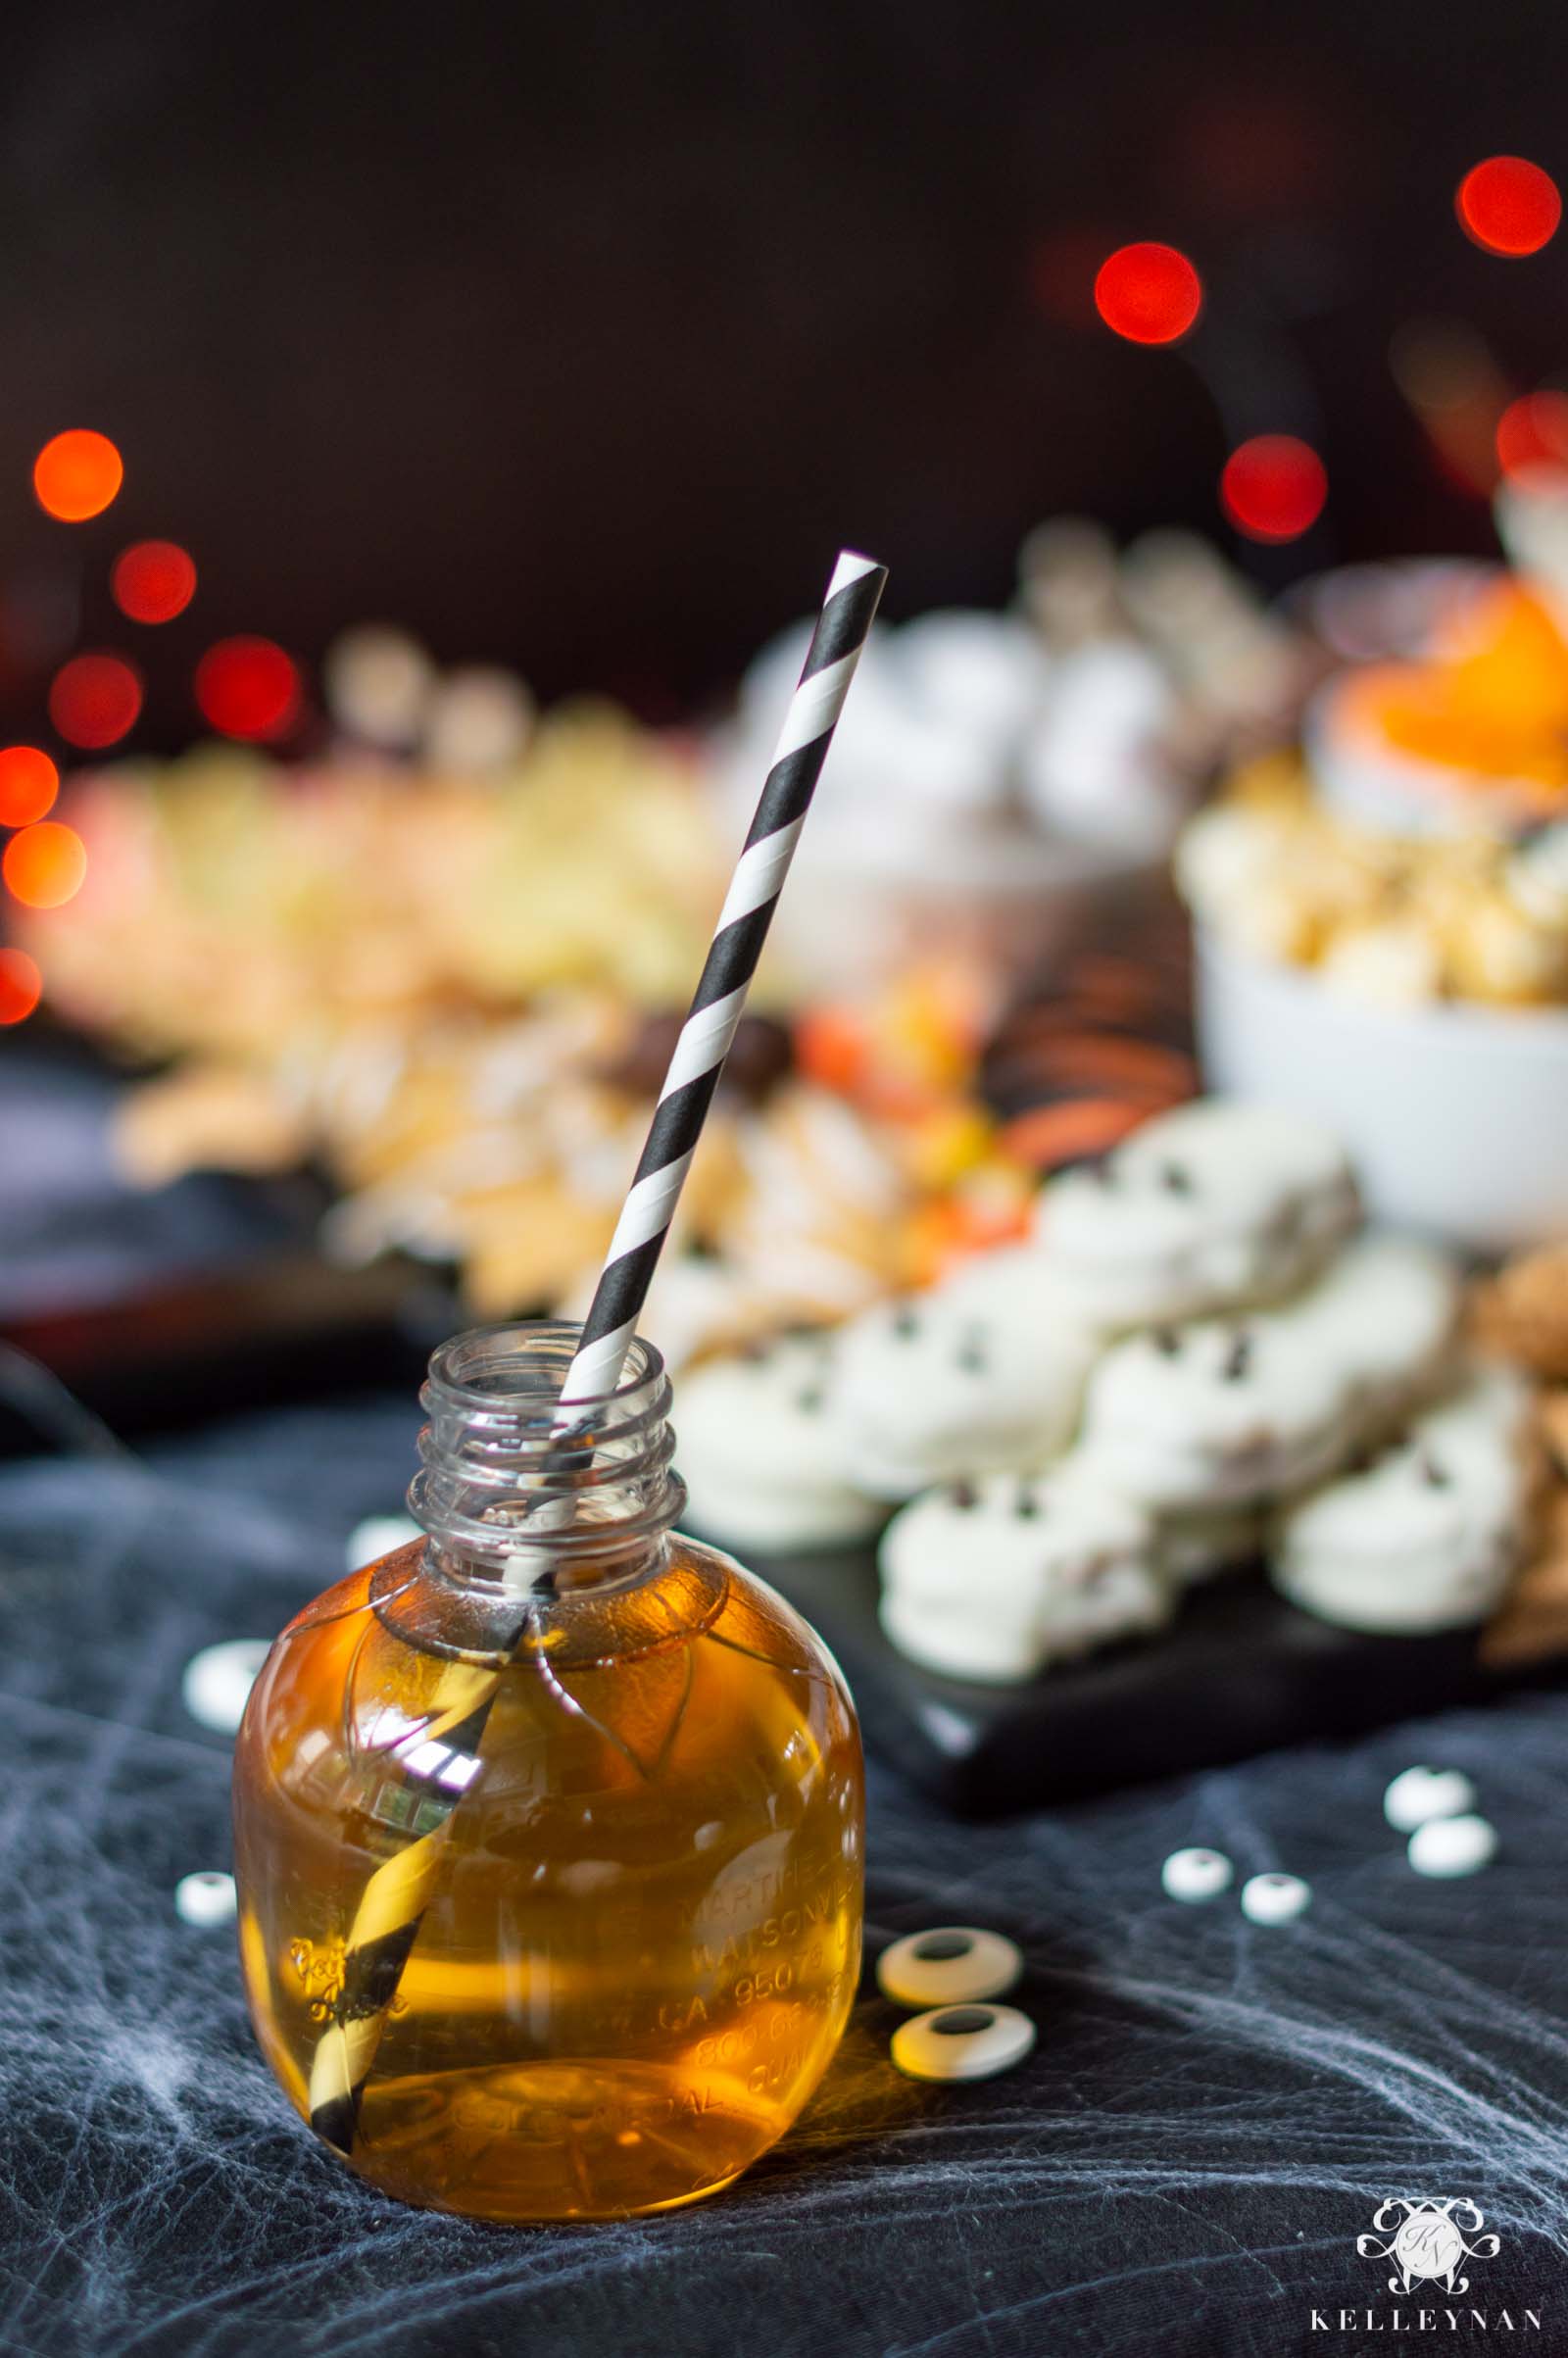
443,1758
841,627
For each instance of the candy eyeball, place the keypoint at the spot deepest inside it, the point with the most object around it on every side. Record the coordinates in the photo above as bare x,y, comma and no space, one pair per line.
1419,1794
951,1965
205,1898
1275,1899
1196,1875
1447,1847
963,2042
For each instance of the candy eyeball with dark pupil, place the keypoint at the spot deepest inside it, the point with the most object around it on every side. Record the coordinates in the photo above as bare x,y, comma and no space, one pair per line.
968,2042
1196,1875
948,1965
937,1948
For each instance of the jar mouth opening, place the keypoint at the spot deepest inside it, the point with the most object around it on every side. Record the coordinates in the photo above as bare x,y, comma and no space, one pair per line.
506,1470
518,1368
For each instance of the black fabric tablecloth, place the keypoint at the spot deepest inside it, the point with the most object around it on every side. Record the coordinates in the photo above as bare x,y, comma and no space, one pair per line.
1212,2116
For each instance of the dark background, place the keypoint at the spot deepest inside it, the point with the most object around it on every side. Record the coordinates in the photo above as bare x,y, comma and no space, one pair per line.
579,337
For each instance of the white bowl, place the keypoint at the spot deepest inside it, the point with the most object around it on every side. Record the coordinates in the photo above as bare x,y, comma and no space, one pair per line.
1456,1117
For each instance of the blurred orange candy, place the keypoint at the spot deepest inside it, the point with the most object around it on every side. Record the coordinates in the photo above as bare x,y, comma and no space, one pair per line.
44,866
76,474
29,784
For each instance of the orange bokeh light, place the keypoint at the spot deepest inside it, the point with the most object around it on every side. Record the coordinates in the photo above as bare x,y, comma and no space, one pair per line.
1148,293
20,986
44,866
94,699
29,784
1273,487
248,688
1508,205
76,474
153,581
1533,432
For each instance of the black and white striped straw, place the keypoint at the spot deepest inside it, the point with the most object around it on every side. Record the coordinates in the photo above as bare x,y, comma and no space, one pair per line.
842,628
386,1921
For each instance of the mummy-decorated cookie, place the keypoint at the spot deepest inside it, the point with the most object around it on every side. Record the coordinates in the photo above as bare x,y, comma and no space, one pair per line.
997,1577
983,1373
1215,1205
1227,1412
761,1456
1427,1536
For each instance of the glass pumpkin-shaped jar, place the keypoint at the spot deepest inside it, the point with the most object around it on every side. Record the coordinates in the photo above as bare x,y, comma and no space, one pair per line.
548,1831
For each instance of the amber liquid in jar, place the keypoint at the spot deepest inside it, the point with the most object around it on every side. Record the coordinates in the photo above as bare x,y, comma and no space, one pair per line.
642,1941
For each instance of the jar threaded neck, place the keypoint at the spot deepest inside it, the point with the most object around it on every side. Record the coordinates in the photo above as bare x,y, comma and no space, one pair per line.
500,1480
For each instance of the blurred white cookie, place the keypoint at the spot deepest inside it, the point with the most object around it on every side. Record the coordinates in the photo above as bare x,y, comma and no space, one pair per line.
1430,1534
998,1577
983,1373
1222,1412
1215,1205
760,1455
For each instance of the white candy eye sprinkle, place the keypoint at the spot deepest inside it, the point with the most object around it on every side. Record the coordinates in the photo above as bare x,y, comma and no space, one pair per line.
205,1898
1275,1899
1458,1846
1418,1795
1195,1875
218,1682
947,1965
963,2042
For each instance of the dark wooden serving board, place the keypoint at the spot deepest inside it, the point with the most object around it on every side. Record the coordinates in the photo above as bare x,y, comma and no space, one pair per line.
1238,1671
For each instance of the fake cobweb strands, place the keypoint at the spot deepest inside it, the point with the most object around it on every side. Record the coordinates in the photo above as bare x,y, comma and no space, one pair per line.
386,1922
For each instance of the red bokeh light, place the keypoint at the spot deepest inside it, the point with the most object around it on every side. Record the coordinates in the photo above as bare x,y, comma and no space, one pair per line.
76,474
248,687
29,784
20,986
153,581
1148,293
1273,487
44,866
1533,432
1509,205
94,699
